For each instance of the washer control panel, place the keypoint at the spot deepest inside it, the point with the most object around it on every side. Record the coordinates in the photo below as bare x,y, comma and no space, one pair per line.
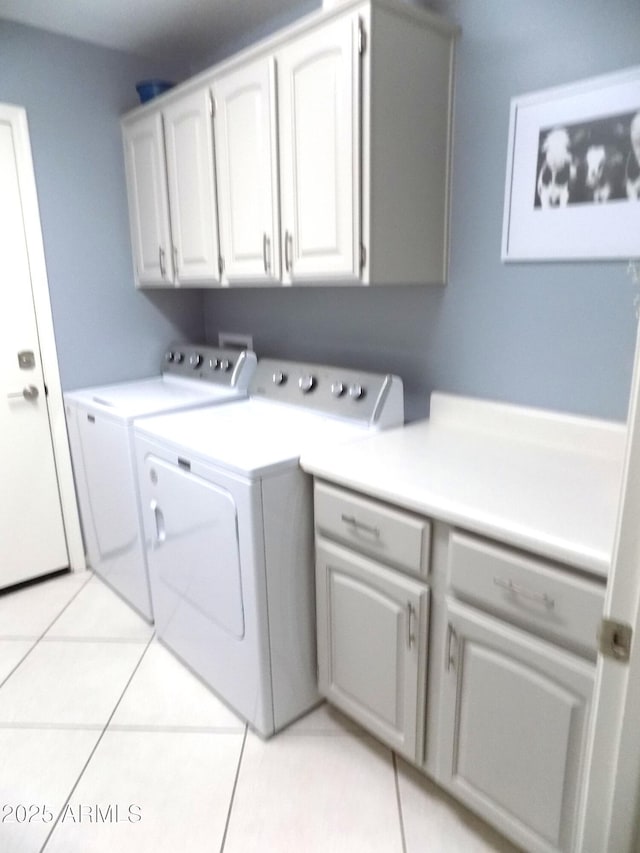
228,367
370,398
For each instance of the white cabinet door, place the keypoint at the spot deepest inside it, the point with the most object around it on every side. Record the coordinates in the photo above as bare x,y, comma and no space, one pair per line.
191,179
148,200
247,168
318,79
372,645
514,714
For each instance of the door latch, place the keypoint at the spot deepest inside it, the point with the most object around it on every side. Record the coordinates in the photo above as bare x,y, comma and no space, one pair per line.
614,640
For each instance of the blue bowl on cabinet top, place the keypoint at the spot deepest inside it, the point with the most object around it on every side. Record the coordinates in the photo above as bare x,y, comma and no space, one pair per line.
148,89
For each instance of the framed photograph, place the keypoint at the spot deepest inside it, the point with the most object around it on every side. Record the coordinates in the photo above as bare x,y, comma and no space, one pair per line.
573,172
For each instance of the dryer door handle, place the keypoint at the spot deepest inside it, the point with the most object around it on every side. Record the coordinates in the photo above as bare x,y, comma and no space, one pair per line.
161,531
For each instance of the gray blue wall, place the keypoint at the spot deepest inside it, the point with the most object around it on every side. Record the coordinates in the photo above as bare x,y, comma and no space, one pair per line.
544,334
74,94
558,335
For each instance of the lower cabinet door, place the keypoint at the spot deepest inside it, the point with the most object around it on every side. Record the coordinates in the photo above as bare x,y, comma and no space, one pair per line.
514,716
372,645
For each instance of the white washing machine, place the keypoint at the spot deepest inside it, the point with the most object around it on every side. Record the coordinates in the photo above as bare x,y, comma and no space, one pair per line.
228,520
100,426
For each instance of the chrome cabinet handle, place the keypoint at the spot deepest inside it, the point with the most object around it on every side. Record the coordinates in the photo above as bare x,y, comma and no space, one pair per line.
266,253
352,521
523,592
411,614
163,271
451,636
29,392
288,248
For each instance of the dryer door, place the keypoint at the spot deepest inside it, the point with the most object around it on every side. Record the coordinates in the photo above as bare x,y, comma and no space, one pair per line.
194,559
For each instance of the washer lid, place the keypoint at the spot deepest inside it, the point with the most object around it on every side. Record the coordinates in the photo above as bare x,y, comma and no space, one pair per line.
145,397
252,437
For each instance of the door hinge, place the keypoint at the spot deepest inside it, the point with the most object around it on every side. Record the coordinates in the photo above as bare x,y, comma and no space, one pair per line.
362,37
614,640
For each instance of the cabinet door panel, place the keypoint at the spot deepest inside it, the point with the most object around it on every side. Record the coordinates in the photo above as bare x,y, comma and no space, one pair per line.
148,201
320,145
372,630
246,154
516,711
190,171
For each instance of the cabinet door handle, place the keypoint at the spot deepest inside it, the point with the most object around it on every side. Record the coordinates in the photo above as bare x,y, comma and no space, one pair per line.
288,249
411,615
266,252
352,521
523,592
175,261
451,637
163,271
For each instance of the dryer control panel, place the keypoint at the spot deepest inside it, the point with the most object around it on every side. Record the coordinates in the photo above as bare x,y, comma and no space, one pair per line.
231,368
373,399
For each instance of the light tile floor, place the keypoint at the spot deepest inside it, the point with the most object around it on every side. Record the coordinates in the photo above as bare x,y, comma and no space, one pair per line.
107,743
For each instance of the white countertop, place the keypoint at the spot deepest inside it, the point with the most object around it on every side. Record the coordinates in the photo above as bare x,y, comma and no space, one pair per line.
545,482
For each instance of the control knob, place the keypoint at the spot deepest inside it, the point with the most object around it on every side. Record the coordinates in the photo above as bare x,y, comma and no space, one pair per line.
356,391
307,383
169,357
214,364
195,360
279,378
337,389
225,364
178,357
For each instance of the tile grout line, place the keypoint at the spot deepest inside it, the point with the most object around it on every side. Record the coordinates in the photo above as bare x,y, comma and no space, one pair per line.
42,635
233,790
399,802
96,745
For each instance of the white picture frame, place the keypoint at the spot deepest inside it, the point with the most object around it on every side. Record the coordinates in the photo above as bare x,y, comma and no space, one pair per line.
573,168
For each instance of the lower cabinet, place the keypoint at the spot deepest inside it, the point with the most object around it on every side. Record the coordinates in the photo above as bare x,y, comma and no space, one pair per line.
509,640
514,713
372,645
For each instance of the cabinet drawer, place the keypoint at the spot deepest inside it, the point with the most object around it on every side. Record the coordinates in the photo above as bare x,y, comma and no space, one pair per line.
527,591
391,536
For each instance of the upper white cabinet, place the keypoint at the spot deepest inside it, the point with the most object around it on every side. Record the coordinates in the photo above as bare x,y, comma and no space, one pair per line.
331,161
171,190
148,201
247,167
319,80
191,180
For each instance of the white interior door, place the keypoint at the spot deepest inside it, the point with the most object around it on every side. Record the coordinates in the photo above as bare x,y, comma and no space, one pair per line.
611,813
32,534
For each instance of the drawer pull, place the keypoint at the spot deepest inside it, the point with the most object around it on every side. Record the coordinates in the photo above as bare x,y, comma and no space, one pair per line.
352,521
539,597
411,613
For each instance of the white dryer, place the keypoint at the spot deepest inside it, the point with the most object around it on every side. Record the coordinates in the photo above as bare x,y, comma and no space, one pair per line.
100,427
227,513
